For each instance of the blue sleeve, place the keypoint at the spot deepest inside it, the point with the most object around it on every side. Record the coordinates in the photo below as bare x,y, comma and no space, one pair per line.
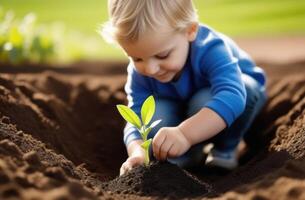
137,91
224,75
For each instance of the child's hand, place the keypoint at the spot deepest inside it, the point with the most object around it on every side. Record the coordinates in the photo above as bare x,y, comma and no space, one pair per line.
132,162
169,142
136,156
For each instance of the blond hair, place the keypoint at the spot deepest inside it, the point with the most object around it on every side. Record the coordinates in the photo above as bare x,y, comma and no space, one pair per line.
129,19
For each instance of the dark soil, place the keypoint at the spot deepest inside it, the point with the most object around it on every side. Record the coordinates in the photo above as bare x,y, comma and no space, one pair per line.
61,138
158,179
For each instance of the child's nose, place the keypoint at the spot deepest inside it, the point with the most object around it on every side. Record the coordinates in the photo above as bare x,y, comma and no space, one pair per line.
152,68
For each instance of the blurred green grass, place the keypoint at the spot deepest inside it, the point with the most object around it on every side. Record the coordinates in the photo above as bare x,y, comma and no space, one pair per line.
238,18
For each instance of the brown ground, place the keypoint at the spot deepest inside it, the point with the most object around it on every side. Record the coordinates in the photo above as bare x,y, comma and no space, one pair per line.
60,138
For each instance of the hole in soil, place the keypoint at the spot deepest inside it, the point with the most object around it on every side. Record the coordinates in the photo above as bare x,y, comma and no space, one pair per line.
69,118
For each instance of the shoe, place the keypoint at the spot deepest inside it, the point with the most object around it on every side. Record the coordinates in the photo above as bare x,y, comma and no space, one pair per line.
220,159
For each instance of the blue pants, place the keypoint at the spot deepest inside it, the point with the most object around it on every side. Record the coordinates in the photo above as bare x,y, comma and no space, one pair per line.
173,113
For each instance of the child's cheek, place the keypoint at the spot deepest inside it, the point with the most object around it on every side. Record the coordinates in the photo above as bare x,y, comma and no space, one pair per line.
139,69
173,66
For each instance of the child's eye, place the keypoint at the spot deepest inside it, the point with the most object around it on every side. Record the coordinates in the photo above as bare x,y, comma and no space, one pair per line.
136,59
162,57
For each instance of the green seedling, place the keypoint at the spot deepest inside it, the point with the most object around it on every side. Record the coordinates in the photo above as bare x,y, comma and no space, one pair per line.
147,112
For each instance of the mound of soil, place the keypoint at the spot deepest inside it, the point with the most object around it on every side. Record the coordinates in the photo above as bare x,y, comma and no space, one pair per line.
61,138
149,181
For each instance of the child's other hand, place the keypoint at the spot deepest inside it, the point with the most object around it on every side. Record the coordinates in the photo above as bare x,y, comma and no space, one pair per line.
169,142
131,162
136,156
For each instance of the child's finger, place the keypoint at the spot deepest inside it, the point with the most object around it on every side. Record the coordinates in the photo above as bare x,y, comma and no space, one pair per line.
157,143
165,149
125,168
122,171
173,151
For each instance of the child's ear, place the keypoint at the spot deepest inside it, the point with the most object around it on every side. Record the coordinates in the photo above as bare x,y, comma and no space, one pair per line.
191,31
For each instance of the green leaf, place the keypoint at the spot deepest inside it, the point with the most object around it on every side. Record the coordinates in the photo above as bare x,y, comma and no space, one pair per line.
148,110
129,115
155,123
146,144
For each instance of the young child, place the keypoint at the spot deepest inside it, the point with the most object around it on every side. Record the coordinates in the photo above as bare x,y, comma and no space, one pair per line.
207,89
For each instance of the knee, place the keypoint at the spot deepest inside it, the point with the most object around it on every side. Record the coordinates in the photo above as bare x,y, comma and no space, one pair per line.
168,111
198,100
255,93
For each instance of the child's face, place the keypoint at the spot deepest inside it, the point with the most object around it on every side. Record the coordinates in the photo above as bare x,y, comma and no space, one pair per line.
159,55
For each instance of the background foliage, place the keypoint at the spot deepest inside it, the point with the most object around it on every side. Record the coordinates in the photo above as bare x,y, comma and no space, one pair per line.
78,21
